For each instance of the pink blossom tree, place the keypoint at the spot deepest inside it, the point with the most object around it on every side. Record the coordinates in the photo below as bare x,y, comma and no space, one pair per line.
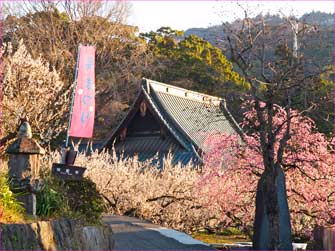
233,169
275,71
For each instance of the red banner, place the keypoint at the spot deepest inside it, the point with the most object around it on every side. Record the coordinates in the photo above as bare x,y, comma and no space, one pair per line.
82,121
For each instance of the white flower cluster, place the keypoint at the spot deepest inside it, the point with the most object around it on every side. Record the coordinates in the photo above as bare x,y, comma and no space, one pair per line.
32,91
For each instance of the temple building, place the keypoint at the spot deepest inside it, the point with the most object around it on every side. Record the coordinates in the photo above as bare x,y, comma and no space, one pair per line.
167,119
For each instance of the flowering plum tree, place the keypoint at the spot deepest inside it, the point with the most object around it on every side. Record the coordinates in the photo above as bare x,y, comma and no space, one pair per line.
31,91
275,69
307,162
168,197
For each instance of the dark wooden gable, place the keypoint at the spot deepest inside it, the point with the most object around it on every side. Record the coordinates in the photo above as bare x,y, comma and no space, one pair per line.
143,124
142,132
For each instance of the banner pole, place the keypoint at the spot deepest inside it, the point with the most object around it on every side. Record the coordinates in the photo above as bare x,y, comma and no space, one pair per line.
73,95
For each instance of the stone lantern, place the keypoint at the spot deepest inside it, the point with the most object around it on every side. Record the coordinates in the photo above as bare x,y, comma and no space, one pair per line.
24,167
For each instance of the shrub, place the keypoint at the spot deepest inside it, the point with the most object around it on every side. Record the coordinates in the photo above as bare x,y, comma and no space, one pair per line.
10,209
48,201
68,198
83,200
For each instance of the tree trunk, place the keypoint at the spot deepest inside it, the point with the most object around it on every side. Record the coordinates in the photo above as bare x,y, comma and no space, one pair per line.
272,208
272,229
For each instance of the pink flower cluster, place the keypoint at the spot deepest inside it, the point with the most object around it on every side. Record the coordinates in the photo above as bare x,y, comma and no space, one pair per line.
233,168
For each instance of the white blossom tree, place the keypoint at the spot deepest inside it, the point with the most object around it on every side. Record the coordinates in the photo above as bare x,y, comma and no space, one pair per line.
33,92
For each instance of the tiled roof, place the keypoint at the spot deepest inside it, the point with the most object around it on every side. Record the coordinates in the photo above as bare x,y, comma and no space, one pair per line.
190,117
149,144
155,147
195,115
165,120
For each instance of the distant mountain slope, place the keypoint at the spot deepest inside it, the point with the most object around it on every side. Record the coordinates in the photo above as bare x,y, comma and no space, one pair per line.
317,45
211,34
318,18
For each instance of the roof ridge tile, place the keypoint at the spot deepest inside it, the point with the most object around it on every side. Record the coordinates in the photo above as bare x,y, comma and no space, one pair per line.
182,92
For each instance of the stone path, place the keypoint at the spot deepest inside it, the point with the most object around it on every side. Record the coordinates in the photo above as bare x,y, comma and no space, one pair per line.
133,234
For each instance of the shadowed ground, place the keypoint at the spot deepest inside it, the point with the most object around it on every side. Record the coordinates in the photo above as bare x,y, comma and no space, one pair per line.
133,234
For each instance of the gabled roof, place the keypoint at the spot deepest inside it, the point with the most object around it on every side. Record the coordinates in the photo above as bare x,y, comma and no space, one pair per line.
189,116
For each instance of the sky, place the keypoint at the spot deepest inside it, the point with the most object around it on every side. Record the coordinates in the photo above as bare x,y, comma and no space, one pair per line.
181,15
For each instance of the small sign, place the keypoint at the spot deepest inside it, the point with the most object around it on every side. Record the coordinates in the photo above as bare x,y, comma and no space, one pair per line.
68,172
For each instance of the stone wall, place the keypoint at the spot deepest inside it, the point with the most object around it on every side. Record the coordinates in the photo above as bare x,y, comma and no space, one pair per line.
61,234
